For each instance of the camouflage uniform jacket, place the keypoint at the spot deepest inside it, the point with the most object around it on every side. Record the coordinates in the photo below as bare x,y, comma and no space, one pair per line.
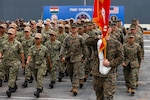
132,54
53,49
3,38
139,40
11,51
116,36
93,33
39,55
61,37
73,48
114,54
27,43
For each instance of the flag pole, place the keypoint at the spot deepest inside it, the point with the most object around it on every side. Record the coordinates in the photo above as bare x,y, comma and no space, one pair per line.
84,2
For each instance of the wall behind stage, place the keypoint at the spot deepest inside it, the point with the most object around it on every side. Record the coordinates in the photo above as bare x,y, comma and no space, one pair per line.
33,9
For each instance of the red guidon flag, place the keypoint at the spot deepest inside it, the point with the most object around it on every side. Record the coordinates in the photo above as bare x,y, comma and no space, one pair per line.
101,18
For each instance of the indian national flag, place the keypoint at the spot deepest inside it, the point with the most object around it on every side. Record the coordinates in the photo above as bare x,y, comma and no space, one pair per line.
54,9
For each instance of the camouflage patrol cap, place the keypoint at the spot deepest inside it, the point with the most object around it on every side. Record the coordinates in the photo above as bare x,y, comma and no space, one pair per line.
85,25
48,20
11,31
132,26
60,26
53,33
74,25
67,26
33,22
27,29
40,21
39,25
46,23
38,35
87,20
80,25
13,25
26,24
90,23
130,35
3,26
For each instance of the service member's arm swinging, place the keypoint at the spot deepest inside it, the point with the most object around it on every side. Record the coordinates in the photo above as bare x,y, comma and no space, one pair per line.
22,59
49,61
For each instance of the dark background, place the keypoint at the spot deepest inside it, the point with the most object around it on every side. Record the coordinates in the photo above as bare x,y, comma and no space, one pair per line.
32,9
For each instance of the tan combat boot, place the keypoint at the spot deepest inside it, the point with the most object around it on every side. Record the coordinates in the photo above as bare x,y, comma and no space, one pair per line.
75,91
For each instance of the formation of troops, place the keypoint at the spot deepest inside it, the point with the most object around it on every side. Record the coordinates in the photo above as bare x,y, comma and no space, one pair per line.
69,47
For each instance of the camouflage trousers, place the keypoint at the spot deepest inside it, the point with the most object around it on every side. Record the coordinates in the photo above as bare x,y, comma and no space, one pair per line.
1,71
81,73
73,71
38,74
104,87
53,71
130,76
62,67
88,67
28,72
11,71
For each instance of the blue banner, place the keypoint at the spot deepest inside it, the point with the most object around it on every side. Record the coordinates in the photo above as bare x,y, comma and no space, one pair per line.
79,12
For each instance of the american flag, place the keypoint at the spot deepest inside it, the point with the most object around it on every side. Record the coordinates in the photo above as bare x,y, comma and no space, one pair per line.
114,10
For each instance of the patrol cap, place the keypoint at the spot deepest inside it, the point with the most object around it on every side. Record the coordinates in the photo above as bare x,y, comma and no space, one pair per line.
27,29
134,19
82,20
67,26
38,35
39,25
33,22
3,26
11,31
48,20
53,33
130,35
72,19
87,20
132,27
85,25
46,23
13,25
74,25
90,23
40,21
113,24
60,26
80,25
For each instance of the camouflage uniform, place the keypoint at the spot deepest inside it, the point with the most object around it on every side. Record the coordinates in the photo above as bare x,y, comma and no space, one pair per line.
27,43
39,63
2,72
138,40
83,64
132,59
72,49
104,85
90,55
62,67
54,49
11,60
